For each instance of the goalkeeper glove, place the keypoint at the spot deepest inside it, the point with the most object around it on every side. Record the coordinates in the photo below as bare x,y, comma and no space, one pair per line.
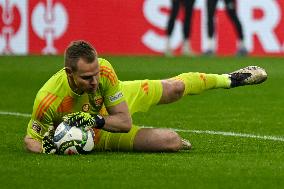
48,146
85,120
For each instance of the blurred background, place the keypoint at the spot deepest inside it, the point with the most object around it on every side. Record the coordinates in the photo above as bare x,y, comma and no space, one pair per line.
127,27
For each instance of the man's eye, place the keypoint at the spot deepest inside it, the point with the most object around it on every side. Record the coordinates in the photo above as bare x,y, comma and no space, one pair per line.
86,77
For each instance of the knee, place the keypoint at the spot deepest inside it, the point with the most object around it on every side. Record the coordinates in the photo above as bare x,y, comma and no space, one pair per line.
157,140
172,90
177,90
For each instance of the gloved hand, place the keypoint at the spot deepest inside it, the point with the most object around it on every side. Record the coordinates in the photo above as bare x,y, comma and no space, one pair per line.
83,119
48,146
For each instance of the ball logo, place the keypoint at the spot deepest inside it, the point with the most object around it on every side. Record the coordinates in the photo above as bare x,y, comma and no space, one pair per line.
49,22
13,27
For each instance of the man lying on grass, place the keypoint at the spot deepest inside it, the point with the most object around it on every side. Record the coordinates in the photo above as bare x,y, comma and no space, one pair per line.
87,90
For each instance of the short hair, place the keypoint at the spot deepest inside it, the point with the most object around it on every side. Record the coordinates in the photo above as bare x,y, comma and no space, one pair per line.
76,50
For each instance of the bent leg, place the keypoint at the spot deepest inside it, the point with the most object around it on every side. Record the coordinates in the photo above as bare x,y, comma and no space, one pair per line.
141,140
157,140
172,91
195,83
140,95
190,84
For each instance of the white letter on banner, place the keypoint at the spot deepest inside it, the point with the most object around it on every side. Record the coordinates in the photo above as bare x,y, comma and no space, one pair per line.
153,14
262,28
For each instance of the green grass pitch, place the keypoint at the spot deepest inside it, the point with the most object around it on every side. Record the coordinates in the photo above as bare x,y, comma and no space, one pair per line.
216,160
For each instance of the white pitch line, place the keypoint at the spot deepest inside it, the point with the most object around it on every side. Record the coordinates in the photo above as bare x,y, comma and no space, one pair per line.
17,114
233,134
244,135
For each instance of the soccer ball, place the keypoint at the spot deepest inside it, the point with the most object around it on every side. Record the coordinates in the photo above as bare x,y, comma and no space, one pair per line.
73,140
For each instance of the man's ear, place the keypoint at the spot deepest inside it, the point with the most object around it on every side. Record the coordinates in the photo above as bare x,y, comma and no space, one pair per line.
68,72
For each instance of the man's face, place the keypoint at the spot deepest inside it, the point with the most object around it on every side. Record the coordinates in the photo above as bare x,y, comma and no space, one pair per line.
87,76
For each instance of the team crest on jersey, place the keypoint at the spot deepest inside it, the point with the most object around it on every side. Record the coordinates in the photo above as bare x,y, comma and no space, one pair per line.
99,101
96,102
86,107
36,127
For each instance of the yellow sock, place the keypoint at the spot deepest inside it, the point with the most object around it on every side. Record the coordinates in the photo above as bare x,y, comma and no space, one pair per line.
196,83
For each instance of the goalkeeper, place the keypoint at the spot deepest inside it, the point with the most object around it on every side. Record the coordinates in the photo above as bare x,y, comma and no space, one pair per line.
87,88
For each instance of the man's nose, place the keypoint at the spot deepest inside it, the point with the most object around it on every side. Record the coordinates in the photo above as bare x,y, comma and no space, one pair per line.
94,81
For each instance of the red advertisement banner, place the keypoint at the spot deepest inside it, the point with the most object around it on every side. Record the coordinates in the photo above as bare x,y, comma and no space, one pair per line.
133,27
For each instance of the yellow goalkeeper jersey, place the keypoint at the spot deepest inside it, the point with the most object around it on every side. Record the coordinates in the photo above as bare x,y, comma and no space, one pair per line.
56,99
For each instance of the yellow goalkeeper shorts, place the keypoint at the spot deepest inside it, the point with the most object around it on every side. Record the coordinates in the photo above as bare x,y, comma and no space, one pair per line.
140,95
107,141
